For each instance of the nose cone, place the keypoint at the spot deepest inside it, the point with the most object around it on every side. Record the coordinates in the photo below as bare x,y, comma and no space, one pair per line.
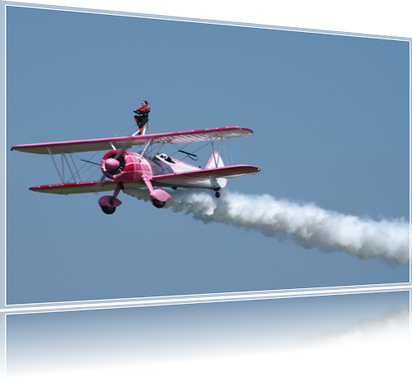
112,163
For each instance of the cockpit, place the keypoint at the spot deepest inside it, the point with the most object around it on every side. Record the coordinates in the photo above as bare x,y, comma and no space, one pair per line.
164,157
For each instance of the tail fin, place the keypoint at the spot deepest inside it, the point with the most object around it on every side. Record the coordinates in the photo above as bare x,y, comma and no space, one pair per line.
215,161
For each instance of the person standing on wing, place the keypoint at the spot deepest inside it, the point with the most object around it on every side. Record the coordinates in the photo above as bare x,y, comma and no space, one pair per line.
142,116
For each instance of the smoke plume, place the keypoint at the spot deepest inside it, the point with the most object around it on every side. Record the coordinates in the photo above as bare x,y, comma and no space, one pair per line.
393,328
306,224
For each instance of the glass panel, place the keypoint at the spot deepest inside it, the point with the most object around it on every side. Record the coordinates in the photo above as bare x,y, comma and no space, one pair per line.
92,340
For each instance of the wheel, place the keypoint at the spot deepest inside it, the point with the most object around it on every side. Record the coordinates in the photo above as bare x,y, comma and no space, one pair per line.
108,210
158,204
217,194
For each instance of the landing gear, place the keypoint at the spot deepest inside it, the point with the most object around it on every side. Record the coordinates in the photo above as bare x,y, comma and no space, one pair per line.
109,203
108,210
158,204
217,194
159,197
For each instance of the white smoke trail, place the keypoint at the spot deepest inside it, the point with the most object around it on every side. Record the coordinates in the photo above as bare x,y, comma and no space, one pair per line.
307,225
393,328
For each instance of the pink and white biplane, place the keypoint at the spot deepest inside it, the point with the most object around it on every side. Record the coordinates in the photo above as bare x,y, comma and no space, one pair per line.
131,169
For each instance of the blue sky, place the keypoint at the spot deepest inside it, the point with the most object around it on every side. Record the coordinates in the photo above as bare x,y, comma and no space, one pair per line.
330,115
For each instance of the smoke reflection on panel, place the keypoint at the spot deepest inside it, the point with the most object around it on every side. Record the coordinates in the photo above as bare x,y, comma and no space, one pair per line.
258,338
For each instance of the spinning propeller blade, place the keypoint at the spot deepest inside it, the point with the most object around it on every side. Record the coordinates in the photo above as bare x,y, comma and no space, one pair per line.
123,148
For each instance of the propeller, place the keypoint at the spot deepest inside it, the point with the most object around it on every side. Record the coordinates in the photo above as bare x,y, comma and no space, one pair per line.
113,163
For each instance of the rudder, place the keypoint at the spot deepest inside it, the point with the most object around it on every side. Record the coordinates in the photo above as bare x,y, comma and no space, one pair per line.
215,161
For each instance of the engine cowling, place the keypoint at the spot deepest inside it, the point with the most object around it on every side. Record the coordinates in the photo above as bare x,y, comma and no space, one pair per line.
124,166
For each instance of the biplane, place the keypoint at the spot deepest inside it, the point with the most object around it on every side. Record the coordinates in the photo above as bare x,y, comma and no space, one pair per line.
122,168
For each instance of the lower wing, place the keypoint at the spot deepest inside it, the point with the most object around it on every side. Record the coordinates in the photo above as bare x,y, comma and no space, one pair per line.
79,187
203,178
207,178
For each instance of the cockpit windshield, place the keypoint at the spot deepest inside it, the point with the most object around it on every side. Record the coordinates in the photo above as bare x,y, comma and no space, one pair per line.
164,157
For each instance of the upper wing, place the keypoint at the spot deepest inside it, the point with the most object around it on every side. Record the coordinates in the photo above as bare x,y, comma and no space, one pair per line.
195,178
203,135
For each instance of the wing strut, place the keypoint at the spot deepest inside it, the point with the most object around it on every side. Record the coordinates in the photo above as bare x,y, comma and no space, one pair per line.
221,142
57,169
75,167
68,165
64,159
158,150
213,152
146,147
